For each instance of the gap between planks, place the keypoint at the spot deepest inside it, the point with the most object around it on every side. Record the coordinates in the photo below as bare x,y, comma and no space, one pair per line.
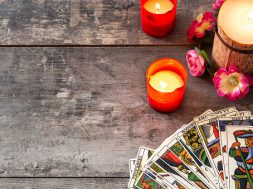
95,46
21,177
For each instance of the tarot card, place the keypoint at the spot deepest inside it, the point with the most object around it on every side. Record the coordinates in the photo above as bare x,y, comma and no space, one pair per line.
147,181
193,164
223,122
166,141
240,158
168,158
167,176
221,112
143,155
191,140
209,133
160,175
244,113
131,166
169,139
157,162
171,181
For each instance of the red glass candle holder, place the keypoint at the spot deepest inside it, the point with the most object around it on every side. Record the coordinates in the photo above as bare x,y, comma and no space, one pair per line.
166,101
158,25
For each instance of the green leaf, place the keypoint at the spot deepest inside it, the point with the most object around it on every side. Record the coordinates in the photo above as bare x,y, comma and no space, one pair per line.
204,55
196,49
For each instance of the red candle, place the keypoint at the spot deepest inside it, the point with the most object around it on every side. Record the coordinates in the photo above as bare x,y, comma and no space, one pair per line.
158,17
166,84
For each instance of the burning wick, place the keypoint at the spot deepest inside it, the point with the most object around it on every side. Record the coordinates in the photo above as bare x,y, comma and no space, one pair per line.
163,84
250,15
158,8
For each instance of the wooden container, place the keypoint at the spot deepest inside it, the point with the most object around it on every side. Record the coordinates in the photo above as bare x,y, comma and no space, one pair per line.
233,42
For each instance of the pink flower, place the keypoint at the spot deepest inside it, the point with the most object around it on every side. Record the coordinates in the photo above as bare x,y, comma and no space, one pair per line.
250,79
231,84
202,24
196,63
218,4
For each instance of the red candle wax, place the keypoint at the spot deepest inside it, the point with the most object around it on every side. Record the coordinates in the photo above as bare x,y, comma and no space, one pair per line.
158,22
164,101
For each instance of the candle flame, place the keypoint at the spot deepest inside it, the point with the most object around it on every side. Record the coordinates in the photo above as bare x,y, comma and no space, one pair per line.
158,8
163,84
250,15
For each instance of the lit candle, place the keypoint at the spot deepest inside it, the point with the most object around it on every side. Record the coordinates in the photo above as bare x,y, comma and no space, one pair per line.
158,16
166,83
158,6
233,43
236,20
250,16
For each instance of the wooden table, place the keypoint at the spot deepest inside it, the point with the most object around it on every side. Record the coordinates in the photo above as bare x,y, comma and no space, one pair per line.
73,95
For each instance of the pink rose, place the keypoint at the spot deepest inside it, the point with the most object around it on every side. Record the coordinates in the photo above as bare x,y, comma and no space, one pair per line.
196,63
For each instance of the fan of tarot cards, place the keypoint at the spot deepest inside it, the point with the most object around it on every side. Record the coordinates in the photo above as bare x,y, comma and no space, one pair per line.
215,150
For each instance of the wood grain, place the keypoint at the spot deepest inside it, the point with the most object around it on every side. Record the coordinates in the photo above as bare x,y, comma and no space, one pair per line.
223,56
85,22
63,183
83,111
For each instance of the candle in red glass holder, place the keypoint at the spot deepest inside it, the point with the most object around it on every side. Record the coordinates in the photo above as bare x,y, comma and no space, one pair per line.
166,84
158,16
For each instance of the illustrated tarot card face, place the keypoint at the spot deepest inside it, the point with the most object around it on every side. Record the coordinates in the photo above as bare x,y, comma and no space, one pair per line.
173,170
166,173
193,164
147,181
159,176
167,140
190,138
223,122
165,178
167,157
240,156
209,133
143,155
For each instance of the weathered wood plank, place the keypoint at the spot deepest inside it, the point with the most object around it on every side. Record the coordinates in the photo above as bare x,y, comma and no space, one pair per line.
64,183
85,22
83,111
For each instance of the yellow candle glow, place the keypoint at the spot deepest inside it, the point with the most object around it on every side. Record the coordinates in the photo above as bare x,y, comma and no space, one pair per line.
236,20
158,6
166,81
